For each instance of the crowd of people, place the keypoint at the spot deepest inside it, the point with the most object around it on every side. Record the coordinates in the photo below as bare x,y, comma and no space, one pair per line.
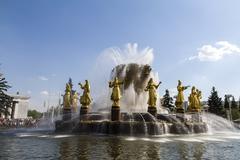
17,123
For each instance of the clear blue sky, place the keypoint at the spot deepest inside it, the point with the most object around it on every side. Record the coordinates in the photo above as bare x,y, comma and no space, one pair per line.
43,42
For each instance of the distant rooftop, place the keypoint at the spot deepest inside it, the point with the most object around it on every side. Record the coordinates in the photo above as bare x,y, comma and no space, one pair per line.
18,96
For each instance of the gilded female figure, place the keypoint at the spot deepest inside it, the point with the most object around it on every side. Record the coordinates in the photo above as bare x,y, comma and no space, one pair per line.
85,99
180,96
152,95
67,97
116,93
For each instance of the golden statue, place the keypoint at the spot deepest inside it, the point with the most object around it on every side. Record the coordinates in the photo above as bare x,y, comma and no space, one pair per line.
85,99
180,96
199,97
75,101
67,97
193,100
152,95
116,93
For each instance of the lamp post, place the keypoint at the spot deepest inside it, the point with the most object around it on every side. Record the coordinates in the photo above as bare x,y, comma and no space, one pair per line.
230,106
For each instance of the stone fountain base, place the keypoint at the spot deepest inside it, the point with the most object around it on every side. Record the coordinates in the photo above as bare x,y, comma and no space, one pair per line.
130,128
142,124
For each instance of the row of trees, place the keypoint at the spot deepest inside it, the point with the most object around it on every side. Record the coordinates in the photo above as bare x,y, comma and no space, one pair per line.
34,114
216,104
223,108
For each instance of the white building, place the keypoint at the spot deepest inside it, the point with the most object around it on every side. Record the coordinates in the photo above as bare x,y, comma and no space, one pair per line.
21,107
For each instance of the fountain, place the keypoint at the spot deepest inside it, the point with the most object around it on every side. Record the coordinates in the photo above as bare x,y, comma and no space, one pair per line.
134,85
135,107
129,106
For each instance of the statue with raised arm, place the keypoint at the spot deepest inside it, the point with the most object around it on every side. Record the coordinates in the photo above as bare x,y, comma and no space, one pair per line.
180,97
116,93
67,97
152,95
85,99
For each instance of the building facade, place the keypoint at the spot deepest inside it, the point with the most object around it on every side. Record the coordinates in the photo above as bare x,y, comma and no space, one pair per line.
19,107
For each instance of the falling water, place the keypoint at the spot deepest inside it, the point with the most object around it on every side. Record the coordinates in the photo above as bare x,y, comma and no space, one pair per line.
123,63
135,78
165,127
157,126
131,124
52,115
218,124
144,125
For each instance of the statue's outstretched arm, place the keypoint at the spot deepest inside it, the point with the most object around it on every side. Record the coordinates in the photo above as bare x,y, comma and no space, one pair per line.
81,86
110,84
186,87
120,83
147,88
158,85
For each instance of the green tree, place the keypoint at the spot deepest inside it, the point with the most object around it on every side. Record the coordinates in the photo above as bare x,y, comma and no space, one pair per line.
5,100
3,84
167,101
235,110
215,103
235,114
34,114
239,104
233,103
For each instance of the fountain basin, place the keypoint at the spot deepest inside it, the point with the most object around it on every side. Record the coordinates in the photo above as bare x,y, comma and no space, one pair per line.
129,127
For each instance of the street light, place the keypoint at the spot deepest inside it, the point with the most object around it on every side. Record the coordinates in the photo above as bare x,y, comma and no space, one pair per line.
230,105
